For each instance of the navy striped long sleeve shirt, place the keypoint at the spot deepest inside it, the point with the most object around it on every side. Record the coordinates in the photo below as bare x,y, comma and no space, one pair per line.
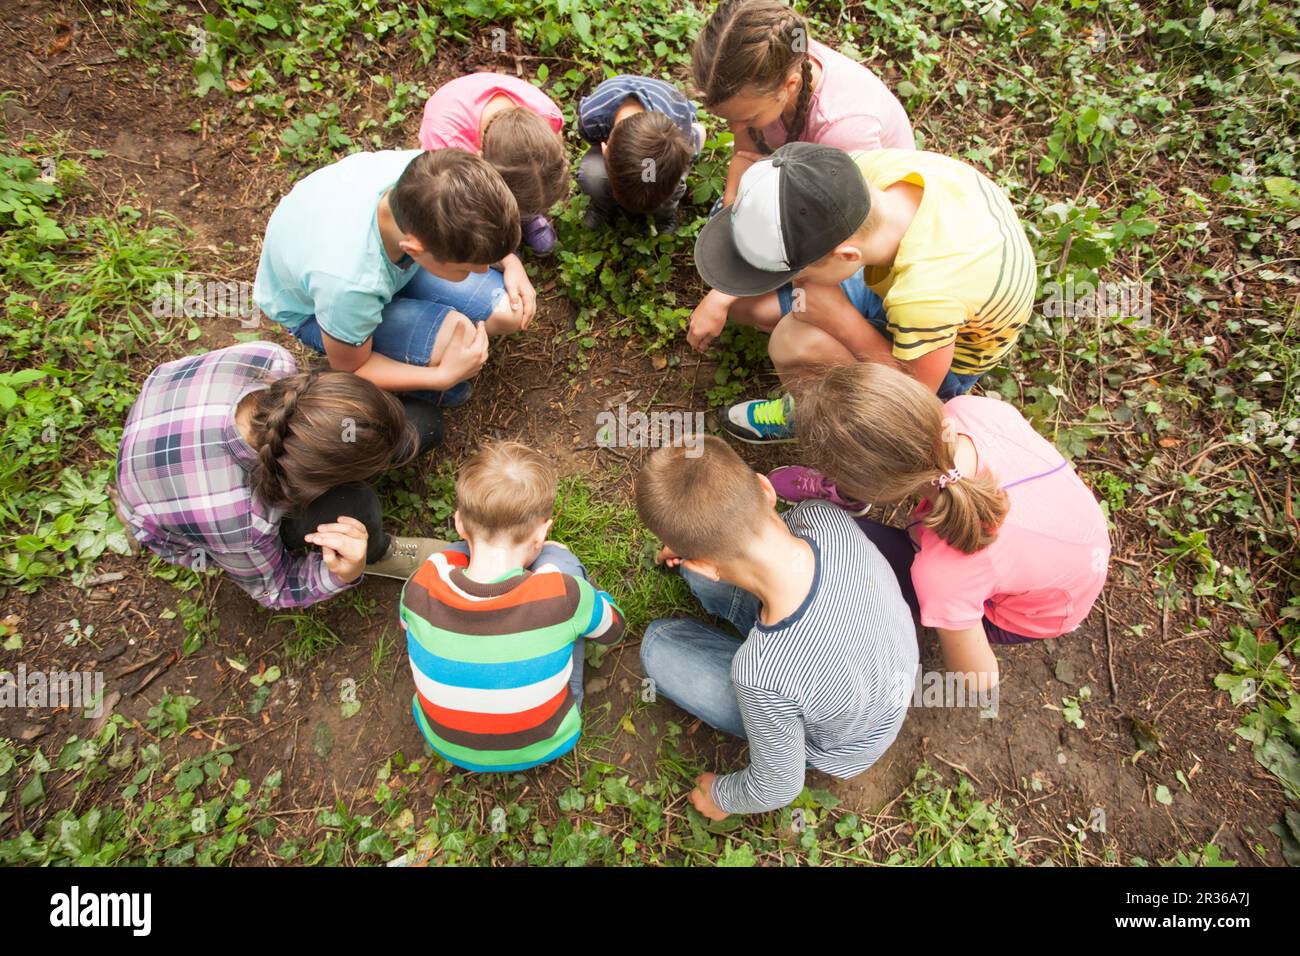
596,111
829,686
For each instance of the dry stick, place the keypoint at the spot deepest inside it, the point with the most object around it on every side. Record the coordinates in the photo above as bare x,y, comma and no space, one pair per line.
1110,652
960,768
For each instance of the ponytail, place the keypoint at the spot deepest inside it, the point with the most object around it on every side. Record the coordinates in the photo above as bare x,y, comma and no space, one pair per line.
314,431
967,512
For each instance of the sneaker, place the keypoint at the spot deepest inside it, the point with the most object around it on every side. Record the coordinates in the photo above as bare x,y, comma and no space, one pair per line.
795,483
539,236
666,223
594,218
761,422
404,556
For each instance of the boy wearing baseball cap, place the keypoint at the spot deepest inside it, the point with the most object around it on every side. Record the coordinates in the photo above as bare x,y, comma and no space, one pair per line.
899,256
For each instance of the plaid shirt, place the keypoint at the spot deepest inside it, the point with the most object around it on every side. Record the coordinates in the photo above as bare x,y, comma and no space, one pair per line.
184,477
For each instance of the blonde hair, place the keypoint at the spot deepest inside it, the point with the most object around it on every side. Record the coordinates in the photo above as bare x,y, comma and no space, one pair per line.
505,488
705,505
530,157
881,436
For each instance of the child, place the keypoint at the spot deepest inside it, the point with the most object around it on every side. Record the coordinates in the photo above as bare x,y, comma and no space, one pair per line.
934,237
643,137
515,127
828,657
1006,545
381,262
237,459
757,67
496,650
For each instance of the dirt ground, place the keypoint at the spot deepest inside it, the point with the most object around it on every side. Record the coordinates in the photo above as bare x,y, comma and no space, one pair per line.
157,161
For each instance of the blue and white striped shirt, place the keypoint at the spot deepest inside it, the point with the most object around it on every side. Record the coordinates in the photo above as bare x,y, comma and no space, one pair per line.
829,686
596,111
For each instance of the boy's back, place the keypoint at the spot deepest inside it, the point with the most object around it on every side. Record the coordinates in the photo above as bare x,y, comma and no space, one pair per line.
323,255
493,662
830,684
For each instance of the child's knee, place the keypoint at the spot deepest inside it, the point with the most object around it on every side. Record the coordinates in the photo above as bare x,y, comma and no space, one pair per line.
504,319
651,647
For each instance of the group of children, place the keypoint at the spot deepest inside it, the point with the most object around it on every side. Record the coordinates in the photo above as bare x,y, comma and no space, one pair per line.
889,279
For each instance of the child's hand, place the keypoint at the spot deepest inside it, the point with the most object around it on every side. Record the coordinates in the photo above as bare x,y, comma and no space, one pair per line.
343,547
523,298
465,354
666,558
702,798
707,321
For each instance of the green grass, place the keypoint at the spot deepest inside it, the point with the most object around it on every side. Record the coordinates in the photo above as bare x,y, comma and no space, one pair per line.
1145,142
618,554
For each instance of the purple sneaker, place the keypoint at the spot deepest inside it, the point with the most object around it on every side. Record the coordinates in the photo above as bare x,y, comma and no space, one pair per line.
796,483
539,235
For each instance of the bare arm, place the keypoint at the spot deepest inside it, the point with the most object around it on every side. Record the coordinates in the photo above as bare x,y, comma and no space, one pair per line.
931,368
968,652
394,376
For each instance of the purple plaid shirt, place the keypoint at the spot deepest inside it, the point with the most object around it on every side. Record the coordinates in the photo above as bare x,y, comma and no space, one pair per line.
184,477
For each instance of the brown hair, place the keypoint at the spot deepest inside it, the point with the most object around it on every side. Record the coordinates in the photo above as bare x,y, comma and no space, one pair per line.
316,430
505,488
754,43
881,436
457,206
640,137
707,506
530,157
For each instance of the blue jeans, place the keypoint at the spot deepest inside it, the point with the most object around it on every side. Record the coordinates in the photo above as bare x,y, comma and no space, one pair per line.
872,308
413,317
690,662
564,560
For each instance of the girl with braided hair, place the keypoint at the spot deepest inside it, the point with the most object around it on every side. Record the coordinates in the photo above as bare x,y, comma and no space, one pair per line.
1005,545
756,66
238,460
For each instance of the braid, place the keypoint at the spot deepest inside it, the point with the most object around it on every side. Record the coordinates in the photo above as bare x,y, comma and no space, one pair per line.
781,47
795,130
275,408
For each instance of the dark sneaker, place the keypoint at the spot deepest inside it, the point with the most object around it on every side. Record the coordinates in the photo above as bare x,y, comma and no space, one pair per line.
539,236
594,219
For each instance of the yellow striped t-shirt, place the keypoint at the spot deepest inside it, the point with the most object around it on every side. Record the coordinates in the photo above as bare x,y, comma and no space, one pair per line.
964,272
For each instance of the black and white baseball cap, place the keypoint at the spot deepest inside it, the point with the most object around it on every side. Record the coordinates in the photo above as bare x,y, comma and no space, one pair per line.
791,209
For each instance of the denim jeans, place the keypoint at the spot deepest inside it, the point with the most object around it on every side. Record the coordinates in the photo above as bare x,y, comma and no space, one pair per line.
690,662
872,308
562,559
413,317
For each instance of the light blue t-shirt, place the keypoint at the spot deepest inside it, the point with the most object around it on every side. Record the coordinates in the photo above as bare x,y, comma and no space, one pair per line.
323,254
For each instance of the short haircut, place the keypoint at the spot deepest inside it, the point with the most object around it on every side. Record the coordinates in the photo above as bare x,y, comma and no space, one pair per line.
646,158
457,206
505,489
530,157
704,503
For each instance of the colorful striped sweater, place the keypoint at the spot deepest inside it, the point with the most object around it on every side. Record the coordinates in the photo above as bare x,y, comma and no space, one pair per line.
492,662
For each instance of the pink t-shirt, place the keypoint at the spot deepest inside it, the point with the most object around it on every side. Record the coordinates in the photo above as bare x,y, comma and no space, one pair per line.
454,111
850,109
1044,571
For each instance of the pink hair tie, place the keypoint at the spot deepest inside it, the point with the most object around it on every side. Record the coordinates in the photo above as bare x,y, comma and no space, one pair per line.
951,478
